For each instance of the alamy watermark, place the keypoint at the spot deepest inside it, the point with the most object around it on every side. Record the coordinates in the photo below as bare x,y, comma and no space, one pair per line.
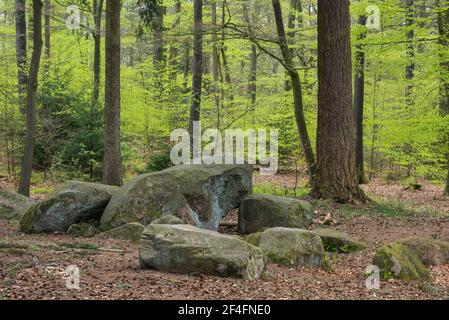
211,147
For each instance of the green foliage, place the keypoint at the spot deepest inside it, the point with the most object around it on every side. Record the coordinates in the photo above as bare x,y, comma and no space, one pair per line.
158,162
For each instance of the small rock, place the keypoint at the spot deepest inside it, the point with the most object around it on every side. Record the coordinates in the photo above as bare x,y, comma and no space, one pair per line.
82,230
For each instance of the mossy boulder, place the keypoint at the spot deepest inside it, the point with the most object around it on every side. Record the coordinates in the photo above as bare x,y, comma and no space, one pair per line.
200,195
187,249
294,247
337,241
13,205
75,202
396,260
82,229
431,252
131,231
168,219
258,212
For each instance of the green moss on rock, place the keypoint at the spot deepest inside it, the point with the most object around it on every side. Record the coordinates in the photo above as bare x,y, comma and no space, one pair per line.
258,212
130,231
398,261
294,247
340,242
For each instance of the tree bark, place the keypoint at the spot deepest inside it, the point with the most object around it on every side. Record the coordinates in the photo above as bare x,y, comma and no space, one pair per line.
21,51
443,30
97,12
359,101
252,81
197,65
335,172
297,91
47,14
112,163
27,162
410,34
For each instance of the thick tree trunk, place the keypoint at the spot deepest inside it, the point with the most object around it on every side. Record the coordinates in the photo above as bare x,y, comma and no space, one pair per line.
297,91
21,51
197,67
335,175
27,162
112,163
359,101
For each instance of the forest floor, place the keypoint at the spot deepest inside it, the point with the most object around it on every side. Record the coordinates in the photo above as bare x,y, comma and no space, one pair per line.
32,266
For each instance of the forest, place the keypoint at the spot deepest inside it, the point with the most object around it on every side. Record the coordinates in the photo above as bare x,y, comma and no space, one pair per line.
97,99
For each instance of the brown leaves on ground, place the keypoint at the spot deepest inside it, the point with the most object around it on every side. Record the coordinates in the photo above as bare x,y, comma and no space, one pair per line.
33,266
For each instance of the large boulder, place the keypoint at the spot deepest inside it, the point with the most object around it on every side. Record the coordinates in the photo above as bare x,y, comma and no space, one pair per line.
431,252
258,212
131,231
396,260
198,194
337,241
13,205
168,219
289,246
187,249
75,202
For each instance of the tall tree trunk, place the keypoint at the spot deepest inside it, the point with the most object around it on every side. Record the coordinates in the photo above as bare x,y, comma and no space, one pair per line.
443,30
216,63
252,81
297,91
197,67
335,175
27,162
158,36
359,101
112,162
97,12
293,22
21,51
47,14
410,34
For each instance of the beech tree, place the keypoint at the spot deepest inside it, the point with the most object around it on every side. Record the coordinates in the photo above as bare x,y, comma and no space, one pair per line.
27,162
112,162
197,67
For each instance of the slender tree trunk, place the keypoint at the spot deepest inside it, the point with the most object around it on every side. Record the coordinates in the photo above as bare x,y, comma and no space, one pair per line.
410,34
359,101
97,12
27,162
297,91
197,67
335,175
252,81
47,23
216,63
174,51
443,29
293,22
21,51
112,162
158,36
